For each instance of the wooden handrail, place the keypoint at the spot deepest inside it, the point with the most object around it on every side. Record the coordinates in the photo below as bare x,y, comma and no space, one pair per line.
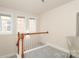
21,36
35,33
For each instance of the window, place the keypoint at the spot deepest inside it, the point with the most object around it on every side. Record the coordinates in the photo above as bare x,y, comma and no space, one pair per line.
26,24
20,24
32,24
5,24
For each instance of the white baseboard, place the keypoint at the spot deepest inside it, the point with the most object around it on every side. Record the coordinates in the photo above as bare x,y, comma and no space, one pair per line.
8,55
35,48
18,56
57,47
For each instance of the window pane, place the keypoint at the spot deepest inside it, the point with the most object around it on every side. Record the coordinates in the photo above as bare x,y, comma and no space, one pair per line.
20,24
9,25
8,28
4,25
32,24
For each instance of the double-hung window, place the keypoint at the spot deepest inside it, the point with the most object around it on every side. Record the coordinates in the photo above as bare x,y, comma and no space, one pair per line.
32,24
21,24
26,25
5,24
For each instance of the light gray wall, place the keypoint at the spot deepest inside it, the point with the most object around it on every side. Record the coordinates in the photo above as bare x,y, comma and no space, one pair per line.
77,25
7,44
60,22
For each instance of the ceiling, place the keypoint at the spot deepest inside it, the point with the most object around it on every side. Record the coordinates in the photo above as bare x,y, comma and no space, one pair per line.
32,6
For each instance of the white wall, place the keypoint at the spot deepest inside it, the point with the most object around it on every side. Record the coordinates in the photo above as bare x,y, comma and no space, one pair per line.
8,41
77,27
60,22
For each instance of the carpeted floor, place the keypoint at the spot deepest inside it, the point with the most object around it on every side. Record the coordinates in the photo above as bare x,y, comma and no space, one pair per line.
46,52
